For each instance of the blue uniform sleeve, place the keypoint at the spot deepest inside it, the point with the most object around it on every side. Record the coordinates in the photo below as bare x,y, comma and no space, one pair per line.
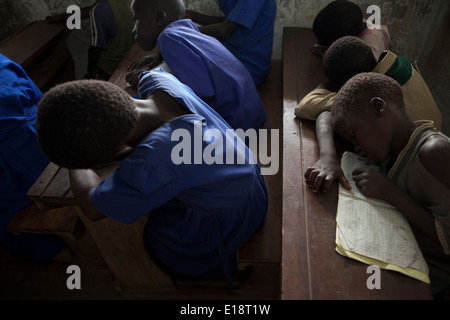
134,189
103,25
187,65
245,13
21,159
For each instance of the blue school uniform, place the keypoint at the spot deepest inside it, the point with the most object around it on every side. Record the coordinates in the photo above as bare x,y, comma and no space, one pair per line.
252,42
200,214
213,73
21,159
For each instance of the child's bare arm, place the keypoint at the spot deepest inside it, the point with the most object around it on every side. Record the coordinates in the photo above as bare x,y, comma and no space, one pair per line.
327,168
203,19
376,185
82,181
219,30
435,157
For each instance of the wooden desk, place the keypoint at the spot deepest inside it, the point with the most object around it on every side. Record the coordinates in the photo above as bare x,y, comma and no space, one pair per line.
41,50
311,268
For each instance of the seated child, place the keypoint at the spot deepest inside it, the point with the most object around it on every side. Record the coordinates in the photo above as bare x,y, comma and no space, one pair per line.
246,30
349,56
111,37
201,212
369,112
345,58
344,18
21,161
199,61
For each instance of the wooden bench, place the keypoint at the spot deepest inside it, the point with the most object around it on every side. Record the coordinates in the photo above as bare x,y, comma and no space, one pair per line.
136,274
311,268
41,50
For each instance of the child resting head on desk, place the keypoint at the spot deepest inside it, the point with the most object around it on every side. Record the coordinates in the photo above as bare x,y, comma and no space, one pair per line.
197,60
345,58
342,18
369,112
200,212
349,56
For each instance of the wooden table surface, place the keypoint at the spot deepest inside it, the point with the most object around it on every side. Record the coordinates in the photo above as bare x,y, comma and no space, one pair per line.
26,44
311,268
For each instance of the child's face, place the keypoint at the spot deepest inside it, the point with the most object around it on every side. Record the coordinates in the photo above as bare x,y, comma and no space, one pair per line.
145,28
367,133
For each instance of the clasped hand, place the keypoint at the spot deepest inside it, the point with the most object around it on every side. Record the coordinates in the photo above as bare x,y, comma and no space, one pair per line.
143,64
370,182
321,176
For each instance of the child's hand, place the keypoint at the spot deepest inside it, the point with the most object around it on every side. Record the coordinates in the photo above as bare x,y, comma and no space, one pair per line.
146,63
323,173
372,183
189,14
133,78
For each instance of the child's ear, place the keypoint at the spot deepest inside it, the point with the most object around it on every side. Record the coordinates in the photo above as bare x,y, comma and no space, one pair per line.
378,105
160,18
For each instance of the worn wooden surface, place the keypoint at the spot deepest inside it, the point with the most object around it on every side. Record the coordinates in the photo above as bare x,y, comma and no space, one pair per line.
40,49
29,42
311,268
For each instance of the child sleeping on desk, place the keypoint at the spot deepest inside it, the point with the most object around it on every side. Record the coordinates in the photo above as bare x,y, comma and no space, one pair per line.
344,18
200,213
369,112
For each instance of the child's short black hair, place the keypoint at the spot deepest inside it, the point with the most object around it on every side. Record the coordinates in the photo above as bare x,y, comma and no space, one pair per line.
338,19
80,124
353,99
347,57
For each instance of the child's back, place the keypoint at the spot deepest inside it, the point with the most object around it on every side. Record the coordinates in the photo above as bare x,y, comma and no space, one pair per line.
200,61
183,167
213,73
21,160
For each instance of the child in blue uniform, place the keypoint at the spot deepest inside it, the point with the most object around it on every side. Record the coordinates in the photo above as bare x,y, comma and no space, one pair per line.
199,61
246,30
21,160
111,37
200,213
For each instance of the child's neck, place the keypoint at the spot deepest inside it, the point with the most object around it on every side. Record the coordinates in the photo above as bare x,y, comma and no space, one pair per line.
402,134
153,112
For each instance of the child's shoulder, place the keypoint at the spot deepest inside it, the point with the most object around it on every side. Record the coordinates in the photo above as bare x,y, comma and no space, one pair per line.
434,155
436,143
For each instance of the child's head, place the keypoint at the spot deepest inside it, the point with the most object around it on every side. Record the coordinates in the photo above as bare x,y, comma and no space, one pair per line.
366,111
338,19
347,57
152,16
81,124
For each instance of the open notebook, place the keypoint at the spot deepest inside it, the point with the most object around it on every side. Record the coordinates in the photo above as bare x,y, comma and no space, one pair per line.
374,232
